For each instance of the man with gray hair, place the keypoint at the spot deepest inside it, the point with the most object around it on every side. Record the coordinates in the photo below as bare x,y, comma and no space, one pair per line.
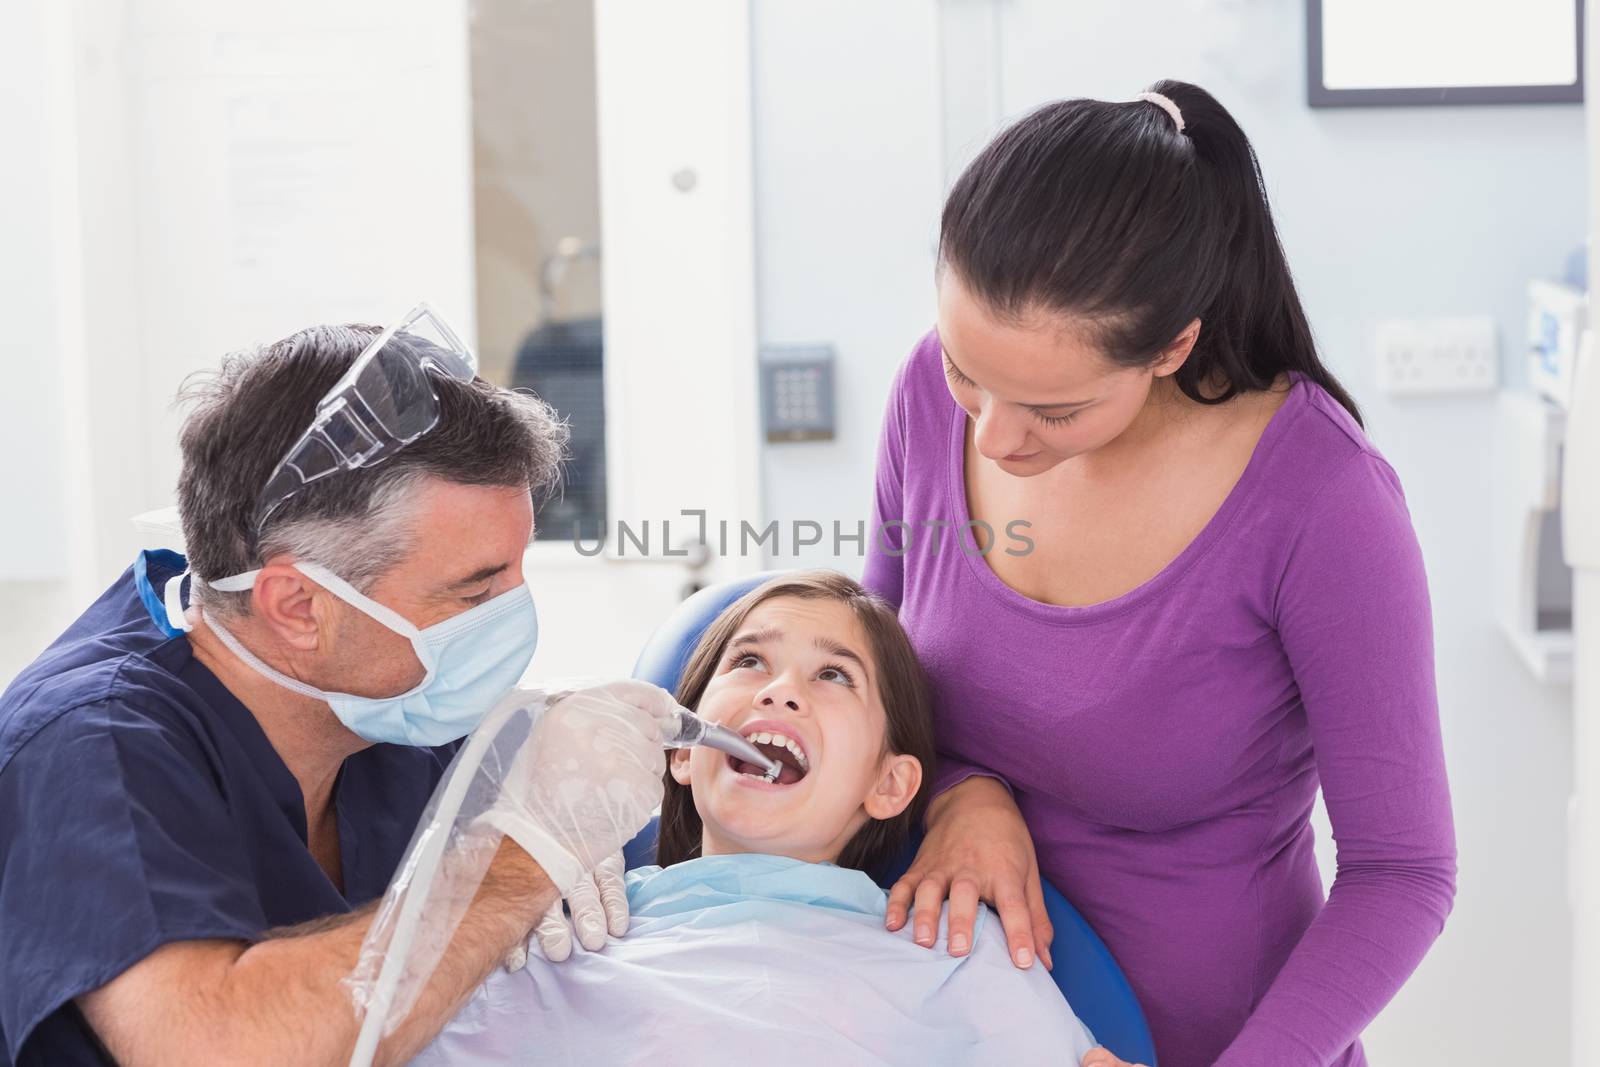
201,795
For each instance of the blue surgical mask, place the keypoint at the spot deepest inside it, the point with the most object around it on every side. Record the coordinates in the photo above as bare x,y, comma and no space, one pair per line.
470,661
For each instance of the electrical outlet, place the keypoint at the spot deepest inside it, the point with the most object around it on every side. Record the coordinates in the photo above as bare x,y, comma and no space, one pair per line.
1418,356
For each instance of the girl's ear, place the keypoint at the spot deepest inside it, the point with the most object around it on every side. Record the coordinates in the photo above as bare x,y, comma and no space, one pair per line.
1176,354
678,764
897,786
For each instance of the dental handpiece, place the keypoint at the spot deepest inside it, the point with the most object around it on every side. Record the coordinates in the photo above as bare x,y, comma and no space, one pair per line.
690,730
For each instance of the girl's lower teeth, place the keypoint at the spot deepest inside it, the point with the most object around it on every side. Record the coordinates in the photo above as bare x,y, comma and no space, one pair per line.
787,775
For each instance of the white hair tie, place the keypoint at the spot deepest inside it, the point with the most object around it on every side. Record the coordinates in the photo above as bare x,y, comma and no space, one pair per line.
1165,105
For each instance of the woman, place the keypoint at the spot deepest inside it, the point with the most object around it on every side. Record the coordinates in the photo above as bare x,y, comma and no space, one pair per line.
1209,601
760,936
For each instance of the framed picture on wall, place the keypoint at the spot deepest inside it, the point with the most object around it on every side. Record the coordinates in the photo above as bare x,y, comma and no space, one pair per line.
1402,52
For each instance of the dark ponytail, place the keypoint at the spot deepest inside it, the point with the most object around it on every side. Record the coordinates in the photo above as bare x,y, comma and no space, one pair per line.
1108,213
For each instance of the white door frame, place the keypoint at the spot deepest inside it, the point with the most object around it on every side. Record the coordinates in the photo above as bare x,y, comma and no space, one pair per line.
678,273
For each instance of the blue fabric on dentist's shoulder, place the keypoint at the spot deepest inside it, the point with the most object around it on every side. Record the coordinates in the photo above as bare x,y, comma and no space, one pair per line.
141,804
164,561
1085,971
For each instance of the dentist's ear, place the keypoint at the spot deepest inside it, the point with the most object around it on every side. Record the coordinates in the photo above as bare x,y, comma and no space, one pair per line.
897,787
285,600
678,764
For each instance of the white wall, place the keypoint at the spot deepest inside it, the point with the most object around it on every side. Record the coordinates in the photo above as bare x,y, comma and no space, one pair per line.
1392,212
43,419
36,216
1581,548
195,178
849,176
209,177
286,165
678,274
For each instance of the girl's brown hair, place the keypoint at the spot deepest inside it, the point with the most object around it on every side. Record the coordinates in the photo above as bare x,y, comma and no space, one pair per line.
902,687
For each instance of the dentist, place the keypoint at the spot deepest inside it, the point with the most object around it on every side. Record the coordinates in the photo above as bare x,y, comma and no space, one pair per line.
200,794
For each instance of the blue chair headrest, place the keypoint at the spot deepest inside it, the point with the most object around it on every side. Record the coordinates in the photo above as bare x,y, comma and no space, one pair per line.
667,652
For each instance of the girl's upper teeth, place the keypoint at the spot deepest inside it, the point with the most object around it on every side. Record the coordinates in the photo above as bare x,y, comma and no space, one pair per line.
765,738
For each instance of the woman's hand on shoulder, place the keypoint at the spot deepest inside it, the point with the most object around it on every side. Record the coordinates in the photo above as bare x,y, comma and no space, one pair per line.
977,849
1104,1057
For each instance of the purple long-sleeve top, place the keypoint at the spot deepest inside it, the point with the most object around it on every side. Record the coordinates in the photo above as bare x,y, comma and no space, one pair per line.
1165,746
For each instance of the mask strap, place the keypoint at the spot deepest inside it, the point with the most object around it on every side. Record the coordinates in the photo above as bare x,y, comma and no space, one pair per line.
240,583
361,602
251,659
172,598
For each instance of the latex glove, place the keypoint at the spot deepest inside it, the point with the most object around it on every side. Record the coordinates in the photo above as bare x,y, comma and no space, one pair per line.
599,905
977,848
587,780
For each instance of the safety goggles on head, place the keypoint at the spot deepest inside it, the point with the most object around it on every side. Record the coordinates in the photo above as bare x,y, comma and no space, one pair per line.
381,404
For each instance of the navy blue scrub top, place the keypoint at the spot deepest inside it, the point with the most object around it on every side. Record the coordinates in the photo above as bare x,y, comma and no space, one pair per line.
140,803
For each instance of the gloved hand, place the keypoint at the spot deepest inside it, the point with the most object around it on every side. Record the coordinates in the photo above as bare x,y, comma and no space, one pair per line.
587,780
599,906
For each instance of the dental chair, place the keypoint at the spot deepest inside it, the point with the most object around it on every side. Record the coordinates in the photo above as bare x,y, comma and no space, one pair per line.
1084,971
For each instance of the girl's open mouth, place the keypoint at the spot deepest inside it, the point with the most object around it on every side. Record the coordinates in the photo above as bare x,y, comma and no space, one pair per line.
779,746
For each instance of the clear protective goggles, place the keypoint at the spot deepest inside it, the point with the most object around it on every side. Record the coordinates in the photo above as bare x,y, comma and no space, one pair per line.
382,403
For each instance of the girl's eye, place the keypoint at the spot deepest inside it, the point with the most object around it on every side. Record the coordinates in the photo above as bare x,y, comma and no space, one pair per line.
1056,420
741,660
838,674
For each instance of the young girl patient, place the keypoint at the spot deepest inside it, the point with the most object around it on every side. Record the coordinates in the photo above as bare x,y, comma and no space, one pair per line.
760,937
